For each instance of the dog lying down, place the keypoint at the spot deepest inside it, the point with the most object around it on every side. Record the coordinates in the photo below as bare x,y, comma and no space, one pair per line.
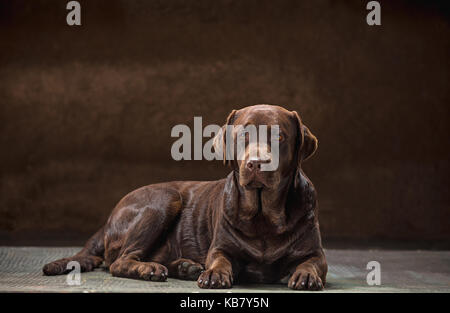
252,226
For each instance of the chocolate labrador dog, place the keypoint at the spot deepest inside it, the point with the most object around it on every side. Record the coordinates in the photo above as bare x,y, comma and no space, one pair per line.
252,226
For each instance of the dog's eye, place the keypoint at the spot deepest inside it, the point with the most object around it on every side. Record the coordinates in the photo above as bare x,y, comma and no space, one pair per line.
280,137
244,135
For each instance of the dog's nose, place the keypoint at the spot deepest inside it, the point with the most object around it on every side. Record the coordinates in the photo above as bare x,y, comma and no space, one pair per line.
255,164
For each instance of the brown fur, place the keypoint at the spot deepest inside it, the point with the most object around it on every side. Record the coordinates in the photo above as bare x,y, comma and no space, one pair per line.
248,227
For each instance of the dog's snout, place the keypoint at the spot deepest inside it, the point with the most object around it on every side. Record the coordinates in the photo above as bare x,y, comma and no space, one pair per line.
255,164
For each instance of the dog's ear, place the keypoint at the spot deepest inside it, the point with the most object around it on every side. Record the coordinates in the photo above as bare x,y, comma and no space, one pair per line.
219,142
310,144
306,142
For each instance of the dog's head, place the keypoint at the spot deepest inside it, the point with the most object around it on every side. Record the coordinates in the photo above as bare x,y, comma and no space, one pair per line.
267,159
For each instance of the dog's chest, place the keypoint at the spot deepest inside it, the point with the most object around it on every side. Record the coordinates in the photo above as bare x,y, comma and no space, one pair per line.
266,249
261,273
263,260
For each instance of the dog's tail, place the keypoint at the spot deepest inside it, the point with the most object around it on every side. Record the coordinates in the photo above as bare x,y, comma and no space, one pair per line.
90,257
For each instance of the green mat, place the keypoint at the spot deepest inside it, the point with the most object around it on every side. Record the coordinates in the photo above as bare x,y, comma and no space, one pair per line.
401,271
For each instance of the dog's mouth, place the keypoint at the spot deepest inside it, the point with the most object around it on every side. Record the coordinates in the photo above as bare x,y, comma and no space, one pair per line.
255,184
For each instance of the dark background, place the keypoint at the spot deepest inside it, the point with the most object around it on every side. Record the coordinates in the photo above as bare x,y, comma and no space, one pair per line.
86,111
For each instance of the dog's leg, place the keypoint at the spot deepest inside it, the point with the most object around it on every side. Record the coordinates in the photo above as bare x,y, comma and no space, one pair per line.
310,275
144,235
132,261
185,269
90,257
219,272
129,267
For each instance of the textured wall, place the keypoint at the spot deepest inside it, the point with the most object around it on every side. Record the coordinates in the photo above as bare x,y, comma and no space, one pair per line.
86,111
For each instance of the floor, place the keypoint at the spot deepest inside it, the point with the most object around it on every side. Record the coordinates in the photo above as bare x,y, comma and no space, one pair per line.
401,271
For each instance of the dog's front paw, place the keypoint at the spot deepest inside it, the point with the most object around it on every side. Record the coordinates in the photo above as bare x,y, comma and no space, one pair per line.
304,279
189,270
215,279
